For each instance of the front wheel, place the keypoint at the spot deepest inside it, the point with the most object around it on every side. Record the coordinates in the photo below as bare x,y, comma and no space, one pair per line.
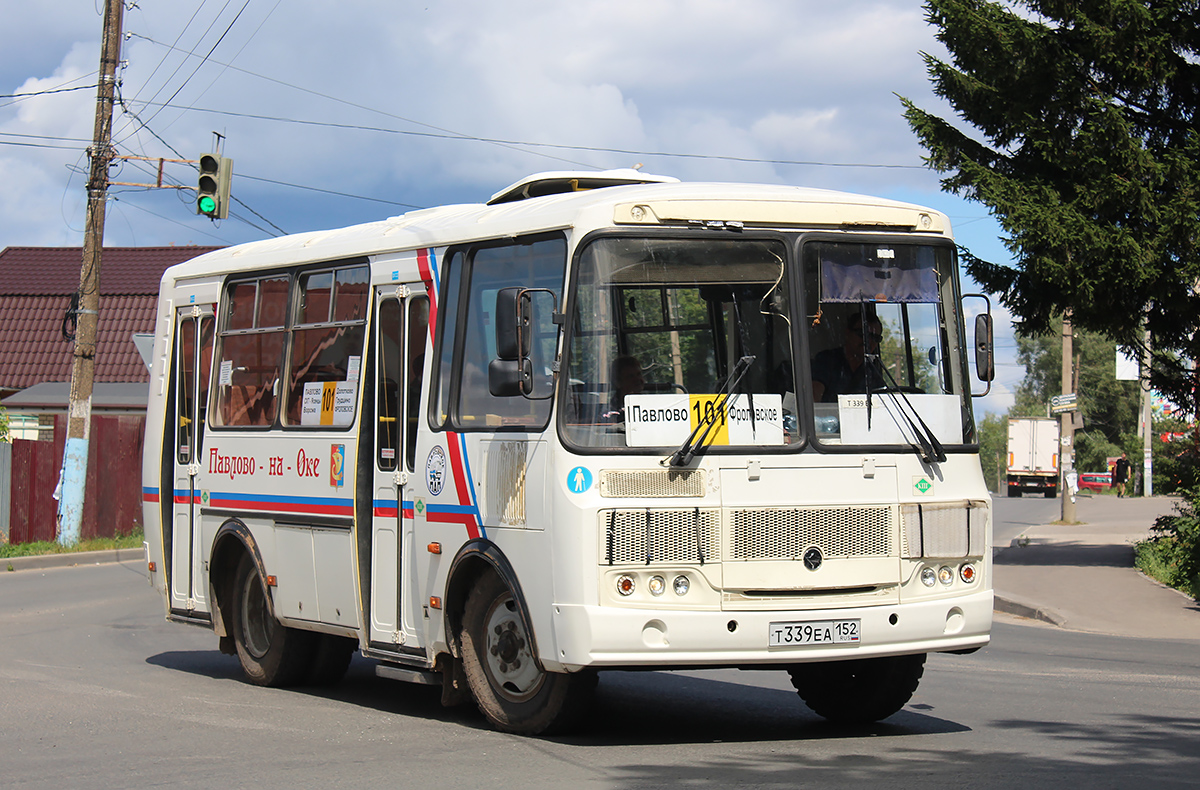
271,654
859,691
509,684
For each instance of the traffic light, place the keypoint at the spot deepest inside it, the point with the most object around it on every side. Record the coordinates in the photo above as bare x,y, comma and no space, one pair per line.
212,190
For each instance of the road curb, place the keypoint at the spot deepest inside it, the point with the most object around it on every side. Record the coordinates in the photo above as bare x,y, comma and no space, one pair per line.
43,561
1012,605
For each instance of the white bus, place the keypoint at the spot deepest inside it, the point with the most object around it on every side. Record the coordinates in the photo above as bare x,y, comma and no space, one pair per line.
603,421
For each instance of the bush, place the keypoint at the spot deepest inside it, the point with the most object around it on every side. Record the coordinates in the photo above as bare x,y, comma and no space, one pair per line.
1177,464
1172,554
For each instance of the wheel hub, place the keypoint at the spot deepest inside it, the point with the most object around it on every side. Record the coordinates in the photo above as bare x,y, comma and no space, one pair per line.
509,661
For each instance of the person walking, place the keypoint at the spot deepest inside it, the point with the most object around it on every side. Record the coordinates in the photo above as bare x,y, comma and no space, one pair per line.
1120,474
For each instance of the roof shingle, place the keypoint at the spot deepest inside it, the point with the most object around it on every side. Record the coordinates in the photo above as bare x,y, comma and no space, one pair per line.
36,284
42,271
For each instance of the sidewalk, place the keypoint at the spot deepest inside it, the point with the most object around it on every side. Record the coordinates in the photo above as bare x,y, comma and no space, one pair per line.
42,561
1082,577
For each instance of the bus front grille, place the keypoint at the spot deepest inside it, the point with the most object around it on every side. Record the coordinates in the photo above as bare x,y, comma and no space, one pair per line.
648,535
785,533
693,535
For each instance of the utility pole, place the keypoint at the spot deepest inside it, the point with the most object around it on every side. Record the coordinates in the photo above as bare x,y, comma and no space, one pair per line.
83,365
1147,426
1067,421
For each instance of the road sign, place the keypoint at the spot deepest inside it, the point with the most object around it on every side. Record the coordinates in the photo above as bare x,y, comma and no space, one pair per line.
1063,403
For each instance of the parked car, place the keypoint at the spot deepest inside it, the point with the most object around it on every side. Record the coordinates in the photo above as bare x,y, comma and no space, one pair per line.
1095,481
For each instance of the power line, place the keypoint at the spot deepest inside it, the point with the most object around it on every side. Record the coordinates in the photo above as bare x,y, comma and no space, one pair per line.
39,145
60,88
348,103
560,146
191,228
165,54
204,60
46,92
45,137
329,191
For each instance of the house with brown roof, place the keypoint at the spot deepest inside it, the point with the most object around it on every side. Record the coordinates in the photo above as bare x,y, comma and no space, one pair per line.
36,286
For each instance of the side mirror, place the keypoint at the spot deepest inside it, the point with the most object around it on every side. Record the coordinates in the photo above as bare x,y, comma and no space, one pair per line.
985,355
508,378
513,324
985,350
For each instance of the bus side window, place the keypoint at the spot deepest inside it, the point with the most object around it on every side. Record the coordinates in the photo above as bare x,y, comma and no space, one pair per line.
251,350
418,325
327,340
387,436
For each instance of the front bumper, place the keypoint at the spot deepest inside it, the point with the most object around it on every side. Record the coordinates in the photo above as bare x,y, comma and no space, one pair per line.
614,637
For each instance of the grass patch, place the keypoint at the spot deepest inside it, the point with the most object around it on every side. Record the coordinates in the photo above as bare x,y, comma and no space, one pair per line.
1172,554
1156,560
37,548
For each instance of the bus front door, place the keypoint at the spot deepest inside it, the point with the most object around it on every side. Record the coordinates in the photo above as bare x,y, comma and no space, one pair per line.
399,364
193,361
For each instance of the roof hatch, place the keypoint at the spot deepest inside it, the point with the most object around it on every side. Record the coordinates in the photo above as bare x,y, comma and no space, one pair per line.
562,181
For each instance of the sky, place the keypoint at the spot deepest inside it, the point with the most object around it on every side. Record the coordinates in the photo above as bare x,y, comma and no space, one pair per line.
340,113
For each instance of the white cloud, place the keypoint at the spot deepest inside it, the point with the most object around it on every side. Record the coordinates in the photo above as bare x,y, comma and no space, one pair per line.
756,79
799,80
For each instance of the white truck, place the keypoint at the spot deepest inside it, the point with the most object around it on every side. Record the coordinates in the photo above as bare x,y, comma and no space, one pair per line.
1033,456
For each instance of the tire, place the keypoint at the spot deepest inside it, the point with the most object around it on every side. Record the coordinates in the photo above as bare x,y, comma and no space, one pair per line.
860,691
1051,493
271,654
508,683
331,659
1014,491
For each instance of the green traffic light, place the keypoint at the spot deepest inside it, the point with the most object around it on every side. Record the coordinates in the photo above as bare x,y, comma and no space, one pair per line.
207,205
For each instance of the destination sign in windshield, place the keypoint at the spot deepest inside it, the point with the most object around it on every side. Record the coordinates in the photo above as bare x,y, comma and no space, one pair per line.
666,420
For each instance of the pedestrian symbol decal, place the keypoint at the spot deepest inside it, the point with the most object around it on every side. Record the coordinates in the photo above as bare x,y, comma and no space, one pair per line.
579,480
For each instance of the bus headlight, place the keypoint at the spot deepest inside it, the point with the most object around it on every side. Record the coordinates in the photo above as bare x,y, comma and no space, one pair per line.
657,585
928,576
625,584
946,575
681,585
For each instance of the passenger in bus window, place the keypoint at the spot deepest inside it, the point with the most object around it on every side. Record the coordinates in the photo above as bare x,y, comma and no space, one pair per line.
842,371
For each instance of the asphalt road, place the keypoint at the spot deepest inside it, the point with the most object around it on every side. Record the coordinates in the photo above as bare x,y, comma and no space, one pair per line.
98,691
1011,517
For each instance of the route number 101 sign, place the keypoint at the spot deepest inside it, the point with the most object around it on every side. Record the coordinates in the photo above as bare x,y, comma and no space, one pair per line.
667,420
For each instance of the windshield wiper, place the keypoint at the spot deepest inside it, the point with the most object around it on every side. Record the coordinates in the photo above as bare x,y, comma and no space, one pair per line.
930,448
692,446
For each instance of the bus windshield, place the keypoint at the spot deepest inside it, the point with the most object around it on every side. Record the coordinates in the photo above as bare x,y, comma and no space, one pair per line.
669,333
882,319
673,336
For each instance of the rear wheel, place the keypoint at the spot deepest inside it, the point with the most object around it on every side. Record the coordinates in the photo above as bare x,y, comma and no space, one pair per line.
271,654
510,686
1051,492
331,659
859,691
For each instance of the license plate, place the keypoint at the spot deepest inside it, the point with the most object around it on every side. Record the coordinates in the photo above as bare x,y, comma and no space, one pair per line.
818,632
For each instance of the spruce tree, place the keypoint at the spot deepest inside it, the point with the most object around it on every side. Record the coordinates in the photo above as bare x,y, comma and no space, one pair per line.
1077,127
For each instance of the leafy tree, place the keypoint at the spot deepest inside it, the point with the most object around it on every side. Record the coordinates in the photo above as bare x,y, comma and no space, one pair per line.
1081,136
3,424
1110,408
993,447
